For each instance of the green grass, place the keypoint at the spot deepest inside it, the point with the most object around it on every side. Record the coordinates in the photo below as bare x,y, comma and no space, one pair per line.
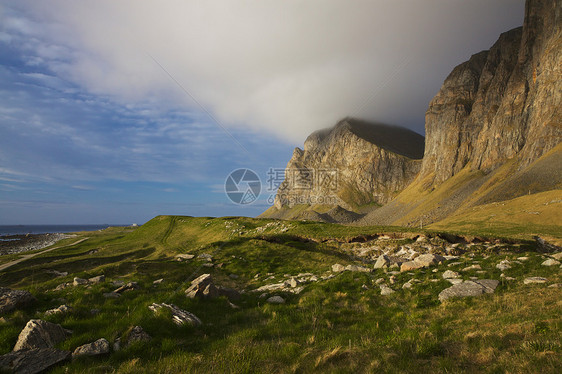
338,325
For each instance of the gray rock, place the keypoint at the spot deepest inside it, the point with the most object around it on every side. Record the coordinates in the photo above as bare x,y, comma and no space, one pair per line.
454,280
555,285
158,281
14,299
472,267
137,334
357,268
127,287
117,345
448,274
337,268
202,287
422,261
98,279
111,295
408,284
385,290
233,276
531,280
382,262
179,316
276,300
62,286
99,347
32,361
469,288
504,265
550,262
59,310
40,334
293,282
184,257
79,281
557,256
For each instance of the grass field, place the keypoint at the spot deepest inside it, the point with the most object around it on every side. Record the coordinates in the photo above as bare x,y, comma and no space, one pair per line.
342,324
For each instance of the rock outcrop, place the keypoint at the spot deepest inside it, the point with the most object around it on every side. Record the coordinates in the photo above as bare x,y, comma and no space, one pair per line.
99,347
493,133
40,334
502,103
352,164
32,361
14,299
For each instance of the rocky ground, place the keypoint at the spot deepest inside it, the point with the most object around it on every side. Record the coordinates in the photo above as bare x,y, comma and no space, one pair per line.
275,294
10,244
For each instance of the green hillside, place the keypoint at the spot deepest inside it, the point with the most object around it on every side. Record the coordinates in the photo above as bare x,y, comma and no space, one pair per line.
337,322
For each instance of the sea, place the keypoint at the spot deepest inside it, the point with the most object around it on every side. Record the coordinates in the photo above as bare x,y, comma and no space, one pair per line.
47,229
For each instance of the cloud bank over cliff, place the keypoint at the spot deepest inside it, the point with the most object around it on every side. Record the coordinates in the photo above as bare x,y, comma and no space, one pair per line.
282,67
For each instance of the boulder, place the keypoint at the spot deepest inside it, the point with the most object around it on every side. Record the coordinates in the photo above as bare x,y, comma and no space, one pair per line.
385,290
127,287
557,256
357,268
469,288
504,265
202,287
79,281
472,267
184,257
32,361
99,347
531,280
40,334
382,262
14,299
276,300
137,334
98,279
59,310
293,282
429,259
550,262
448,274
422,261
337,268
179,316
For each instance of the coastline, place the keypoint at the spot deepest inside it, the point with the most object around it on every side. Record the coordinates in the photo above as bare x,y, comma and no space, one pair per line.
11,244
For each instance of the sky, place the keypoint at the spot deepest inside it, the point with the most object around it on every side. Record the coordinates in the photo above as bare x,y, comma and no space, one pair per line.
118,111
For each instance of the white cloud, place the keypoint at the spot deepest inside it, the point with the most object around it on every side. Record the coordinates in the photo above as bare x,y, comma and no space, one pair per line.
286,67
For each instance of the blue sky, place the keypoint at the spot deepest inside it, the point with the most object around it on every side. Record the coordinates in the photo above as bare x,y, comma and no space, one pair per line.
115,112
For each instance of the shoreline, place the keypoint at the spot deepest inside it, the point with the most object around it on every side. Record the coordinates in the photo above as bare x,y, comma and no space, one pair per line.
13,244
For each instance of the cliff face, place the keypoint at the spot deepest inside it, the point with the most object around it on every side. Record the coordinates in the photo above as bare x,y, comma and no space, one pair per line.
493,133
502,103
354,163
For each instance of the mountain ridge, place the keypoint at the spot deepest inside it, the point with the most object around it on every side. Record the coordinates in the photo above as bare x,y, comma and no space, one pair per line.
493,133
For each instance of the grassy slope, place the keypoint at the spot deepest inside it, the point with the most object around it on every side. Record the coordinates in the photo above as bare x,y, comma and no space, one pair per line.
463,194
525,216
332,326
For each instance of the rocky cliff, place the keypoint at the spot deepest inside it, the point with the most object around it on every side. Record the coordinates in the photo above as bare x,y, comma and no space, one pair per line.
502,103
493,133
355,163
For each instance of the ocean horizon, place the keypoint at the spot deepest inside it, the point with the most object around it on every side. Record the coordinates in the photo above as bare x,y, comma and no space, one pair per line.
49,229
